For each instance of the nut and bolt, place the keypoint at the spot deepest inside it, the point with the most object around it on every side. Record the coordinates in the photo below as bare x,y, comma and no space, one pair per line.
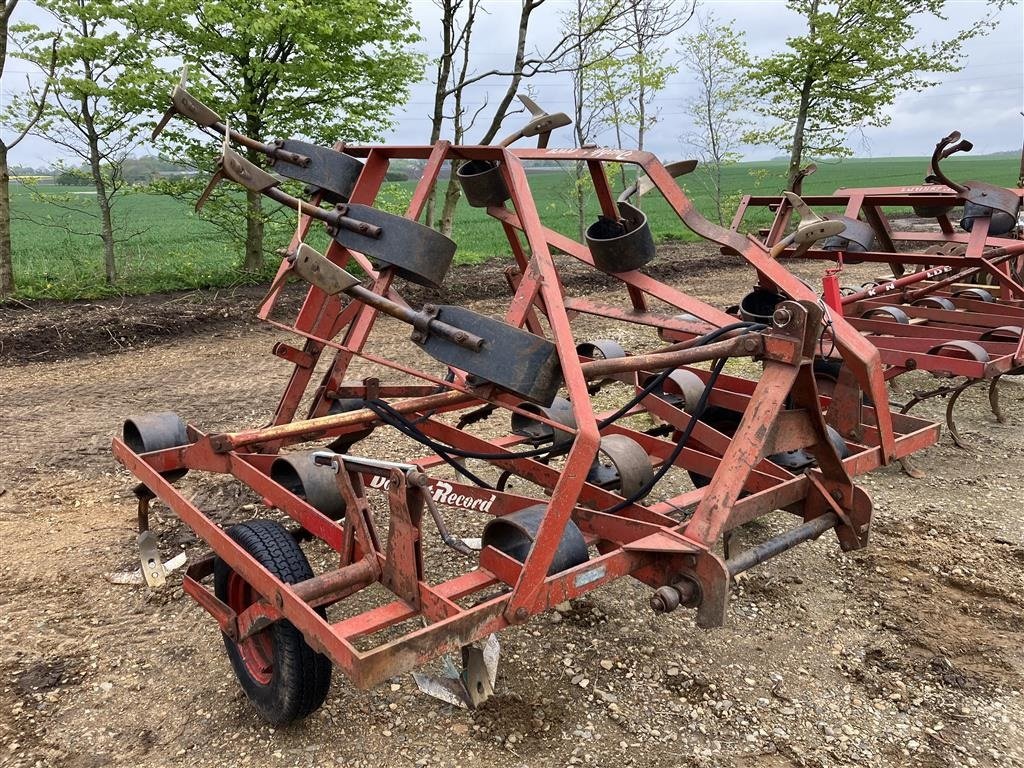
782,316
665,599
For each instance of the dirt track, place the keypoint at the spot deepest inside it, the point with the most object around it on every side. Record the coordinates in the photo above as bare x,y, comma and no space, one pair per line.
909,652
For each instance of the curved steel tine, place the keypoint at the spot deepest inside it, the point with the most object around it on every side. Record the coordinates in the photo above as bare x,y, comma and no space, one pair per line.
219,174
993,400
944,148
911,470
803,173
950,422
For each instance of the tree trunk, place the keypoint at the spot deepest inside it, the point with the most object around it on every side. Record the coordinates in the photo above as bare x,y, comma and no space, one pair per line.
99,184
6,267
796,152
451,199
253,232
253,261
106,226
444,66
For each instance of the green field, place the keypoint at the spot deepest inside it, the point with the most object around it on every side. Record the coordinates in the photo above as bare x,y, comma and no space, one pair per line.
54,258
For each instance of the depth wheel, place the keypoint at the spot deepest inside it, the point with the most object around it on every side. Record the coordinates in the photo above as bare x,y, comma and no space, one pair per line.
283,677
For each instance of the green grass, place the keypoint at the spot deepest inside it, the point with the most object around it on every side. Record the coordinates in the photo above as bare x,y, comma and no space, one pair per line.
179,250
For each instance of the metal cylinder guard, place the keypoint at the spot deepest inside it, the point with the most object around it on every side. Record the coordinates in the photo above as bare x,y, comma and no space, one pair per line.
482,183
301,475
514,535
156,432
621,464
888,313
623,245
858,236
978,294
934,302
516,360
759,305
537,432
682,389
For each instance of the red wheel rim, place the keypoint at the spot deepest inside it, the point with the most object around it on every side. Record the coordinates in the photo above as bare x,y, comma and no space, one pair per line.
257,651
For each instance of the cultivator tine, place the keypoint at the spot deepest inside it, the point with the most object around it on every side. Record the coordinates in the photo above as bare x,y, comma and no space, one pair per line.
643,184
993,400
803,173
950,416
473,684
153,569
810,229
541,125
185,104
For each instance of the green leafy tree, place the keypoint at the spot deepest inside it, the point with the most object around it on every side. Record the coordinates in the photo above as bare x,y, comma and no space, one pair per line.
298,68
853,60
85,115
710,57
638,71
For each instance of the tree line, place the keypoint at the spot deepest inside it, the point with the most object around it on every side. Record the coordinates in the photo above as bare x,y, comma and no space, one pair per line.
296,68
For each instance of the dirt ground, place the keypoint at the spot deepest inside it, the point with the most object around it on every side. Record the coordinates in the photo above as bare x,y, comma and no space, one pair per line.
910,652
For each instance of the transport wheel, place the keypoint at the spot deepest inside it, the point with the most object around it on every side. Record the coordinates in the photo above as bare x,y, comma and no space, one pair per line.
283,677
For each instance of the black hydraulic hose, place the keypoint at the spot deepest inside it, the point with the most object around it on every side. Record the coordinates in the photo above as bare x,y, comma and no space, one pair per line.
683,440
392,417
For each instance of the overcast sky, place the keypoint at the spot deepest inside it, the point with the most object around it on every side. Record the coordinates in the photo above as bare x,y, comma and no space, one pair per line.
983,101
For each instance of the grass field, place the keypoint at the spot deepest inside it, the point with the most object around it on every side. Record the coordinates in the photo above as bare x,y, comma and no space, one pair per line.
55,258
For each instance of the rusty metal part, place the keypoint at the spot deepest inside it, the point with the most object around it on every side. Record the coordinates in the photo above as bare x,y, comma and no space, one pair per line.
810,228
621,244
622,465
776,545
299,474
515,534
537,432
518,361
326,172
415,252
316,269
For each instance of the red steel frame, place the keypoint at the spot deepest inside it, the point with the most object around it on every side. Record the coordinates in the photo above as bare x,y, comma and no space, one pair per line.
782,411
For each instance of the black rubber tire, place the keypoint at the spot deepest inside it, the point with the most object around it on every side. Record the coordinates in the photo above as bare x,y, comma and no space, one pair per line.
300,677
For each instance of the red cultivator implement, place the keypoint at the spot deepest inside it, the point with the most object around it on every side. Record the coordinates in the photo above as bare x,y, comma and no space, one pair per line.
570,499
955,309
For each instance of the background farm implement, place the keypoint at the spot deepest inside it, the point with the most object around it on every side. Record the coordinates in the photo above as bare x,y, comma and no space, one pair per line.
953,303
504,431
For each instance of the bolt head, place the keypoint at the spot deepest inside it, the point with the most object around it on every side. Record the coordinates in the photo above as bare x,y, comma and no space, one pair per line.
782,317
